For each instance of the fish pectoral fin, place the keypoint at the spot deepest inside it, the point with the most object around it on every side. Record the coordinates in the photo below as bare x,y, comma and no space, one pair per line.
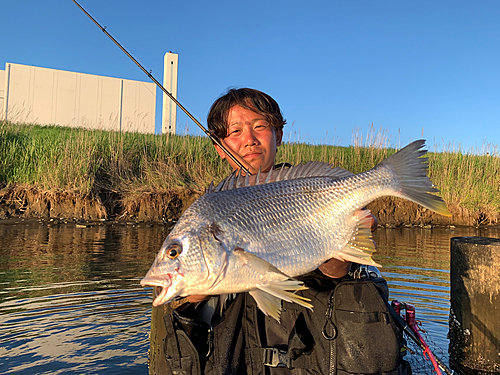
269,296
361,246
258,264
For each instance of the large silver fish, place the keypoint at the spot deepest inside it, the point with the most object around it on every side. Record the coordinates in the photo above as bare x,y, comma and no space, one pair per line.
256,238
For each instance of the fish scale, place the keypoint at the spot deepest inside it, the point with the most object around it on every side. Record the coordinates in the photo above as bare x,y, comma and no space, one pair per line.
256,234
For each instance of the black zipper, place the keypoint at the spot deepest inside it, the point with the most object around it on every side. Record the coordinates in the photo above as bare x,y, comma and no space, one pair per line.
329,322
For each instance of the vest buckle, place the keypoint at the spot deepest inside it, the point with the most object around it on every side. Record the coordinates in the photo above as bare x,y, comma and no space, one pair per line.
273,357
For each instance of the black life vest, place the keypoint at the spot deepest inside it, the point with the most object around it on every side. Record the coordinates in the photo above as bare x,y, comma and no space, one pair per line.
350,331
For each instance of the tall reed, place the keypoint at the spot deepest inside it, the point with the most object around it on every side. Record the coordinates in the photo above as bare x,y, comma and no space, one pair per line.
468,180
58,158
88,161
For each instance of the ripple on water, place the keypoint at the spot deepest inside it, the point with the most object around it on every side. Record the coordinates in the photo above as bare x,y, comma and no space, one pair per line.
70,300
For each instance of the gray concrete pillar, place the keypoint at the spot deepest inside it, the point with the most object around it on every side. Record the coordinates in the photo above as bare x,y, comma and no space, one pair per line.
475,305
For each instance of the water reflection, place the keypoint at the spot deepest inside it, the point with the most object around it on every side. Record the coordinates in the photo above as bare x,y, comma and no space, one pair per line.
70,300
416,264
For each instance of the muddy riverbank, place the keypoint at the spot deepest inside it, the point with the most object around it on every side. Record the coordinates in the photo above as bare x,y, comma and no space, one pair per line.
31,203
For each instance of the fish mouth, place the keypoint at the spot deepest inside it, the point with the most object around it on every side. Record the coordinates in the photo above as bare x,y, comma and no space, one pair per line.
160,285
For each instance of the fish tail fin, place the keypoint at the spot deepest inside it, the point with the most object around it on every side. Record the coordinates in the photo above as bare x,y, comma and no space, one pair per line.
410,170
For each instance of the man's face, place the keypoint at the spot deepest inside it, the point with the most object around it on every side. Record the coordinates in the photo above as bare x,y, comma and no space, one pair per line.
252,137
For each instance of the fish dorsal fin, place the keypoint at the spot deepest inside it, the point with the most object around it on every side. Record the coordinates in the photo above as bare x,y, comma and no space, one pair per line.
257,178
247,179
230,182
210,188
268,176
237,180
311,169
287,174
278,177
361,246
241,180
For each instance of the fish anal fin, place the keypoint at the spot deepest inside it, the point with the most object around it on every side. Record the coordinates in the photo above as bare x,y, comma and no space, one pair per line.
361,246
273,287
269,296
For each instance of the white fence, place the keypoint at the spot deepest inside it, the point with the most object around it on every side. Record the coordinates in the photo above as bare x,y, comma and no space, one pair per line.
49,96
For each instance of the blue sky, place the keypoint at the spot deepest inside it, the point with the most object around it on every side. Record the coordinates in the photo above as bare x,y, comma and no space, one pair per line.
415,69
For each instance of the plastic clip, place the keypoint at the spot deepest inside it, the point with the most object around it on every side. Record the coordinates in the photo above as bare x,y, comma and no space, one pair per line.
273,357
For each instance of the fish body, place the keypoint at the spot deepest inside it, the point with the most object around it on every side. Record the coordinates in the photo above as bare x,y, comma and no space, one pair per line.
260,236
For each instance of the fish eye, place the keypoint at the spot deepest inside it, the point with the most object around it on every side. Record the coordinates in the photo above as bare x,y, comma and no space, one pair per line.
173,251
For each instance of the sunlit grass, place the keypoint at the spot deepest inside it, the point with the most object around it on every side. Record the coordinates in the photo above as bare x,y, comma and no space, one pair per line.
90,161
468,180
86,161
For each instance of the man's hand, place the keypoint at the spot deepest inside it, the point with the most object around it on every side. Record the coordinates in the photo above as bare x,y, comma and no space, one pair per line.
335,268
195,298
374,223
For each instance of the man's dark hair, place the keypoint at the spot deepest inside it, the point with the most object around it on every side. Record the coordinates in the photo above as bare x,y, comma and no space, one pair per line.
247,98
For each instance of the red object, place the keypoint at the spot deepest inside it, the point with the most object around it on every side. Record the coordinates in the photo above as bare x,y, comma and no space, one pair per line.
414,324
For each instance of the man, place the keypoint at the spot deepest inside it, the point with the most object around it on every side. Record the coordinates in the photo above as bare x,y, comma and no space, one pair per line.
349,330
254,131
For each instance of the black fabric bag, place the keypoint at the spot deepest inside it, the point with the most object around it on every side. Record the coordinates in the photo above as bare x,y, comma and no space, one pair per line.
350,331
367,340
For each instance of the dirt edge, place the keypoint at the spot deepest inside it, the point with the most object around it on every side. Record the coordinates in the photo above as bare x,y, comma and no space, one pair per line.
166,207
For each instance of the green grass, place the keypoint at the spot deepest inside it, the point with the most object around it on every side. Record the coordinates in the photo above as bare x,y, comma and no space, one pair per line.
88,161
467,180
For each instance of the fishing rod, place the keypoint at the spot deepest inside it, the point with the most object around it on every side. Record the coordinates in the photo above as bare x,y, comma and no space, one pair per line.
209,134
408,326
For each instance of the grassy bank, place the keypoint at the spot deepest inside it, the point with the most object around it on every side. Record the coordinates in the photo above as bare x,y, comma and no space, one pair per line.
88,162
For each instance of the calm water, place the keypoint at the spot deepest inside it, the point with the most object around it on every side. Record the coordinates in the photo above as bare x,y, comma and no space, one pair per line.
70,299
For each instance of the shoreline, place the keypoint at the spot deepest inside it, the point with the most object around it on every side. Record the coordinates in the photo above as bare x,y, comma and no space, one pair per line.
76,174
166,207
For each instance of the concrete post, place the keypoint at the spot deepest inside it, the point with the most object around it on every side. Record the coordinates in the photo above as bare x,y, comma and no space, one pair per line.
169,109
5,84
475,305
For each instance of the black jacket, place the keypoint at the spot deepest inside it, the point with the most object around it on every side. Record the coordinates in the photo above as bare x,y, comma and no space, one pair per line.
350,331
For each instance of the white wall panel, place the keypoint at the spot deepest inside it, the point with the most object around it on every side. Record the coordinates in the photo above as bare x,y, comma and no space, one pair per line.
49,96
